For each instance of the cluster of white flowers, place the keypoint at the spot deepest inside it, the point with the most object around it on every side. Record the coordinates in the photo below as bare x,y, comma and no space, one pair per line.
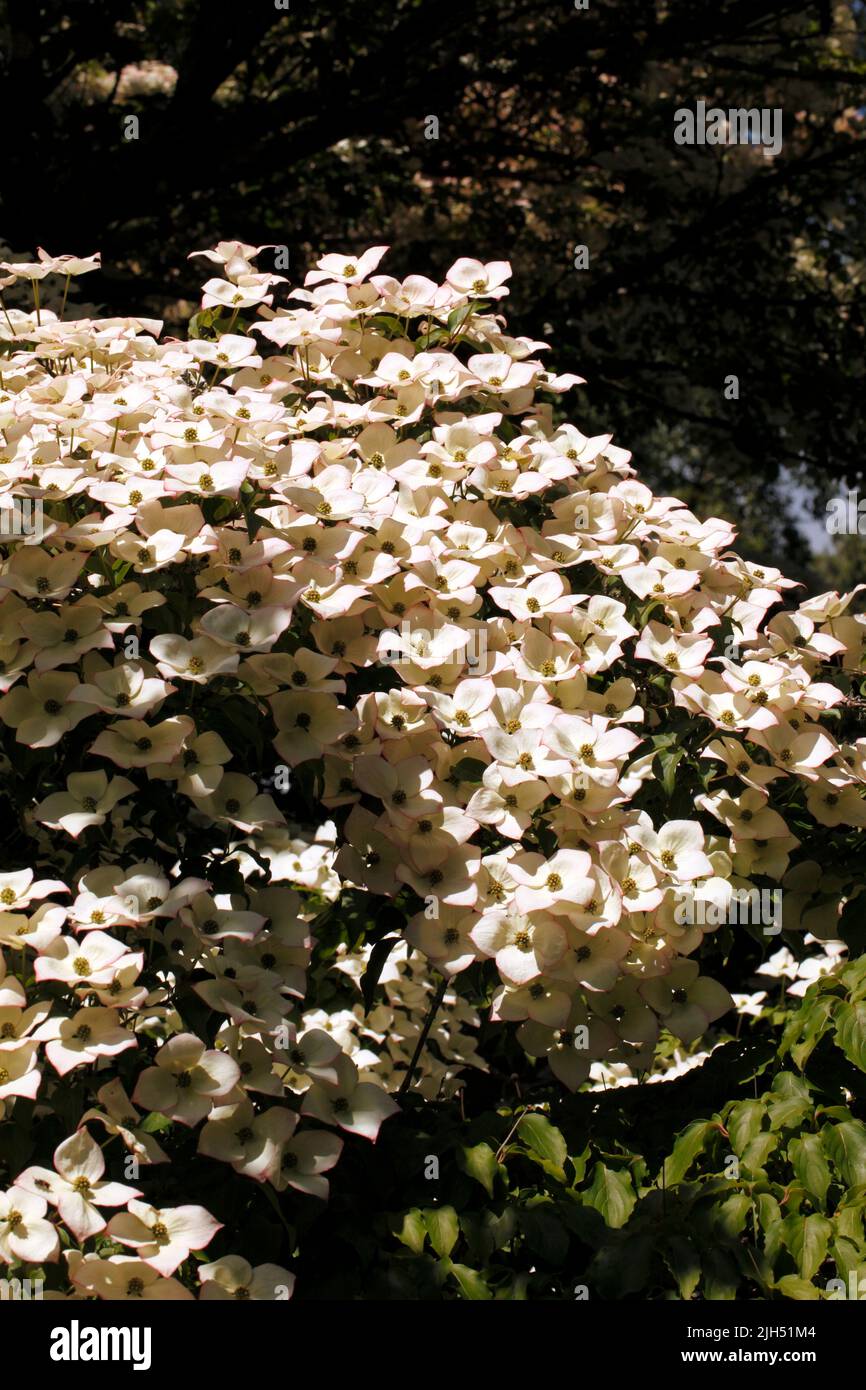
358,515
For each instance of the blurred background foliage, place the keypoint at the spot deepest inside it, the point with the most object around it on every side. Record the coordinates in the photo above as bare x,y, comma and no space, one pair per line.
308,126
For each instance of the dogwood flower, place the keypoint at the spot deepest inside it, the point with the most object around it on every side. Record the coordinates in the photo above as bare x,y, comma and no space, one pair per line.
686,1003
471,277
251,1143
42,711
89,799
356,1106
124,1277
133,743
76,1187
234,1278
163,1238
523,946
186,1080
81,1039
19,1071
305,1157
24,1233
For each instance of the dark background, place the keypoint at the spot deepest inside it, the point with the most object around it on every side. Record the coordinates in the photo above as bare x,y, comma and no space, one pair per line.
306,127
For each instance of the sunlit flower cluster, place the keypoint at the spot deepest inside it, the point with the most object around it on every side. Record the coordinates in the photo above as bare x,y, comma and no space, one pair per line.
326,600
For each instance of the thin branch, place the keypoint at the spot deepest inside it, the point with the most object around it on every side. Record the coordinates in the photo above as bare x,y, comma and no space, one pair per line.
428,1024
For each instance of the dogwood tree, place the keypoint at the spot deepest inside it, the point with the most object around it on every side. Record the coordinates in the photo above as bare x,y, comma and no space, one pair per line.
359,710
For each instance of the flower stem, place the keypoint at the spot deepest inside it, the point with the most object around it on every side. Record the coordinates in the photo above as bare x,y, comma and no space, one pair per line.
419,1046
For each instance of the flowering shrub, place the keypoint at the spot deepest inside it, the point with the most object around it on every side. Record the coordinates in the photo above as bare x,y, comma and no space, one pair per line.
370,735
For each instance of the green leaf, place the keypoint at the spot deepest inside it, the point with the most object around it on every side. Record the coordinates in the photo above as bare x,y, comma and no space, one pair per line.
848,1220
375,965
443,1229
545,1234
201,324
485,1232
687,1146
744,1122
851,1032
807,1238
387,321
806,1156
790,1101
847,1257
413,1232
611,1194
667,740
469,770
769,1211
683,1261
668,760
578,1163
852,974
845,1146
809,1025
720,1276
480,1163
730,1216
773,1241
754,1156
545,1140
154,1123
471,1282
792,1286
